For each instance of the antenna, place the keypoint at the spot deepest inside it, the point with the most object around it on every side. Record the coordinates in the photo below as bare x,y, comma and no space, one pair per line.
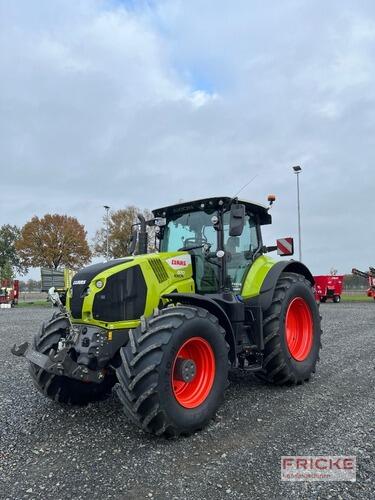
245,185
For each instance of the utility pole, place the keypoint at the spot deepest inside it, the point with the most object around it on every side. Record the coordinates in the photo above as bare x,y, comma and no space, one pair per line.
106,207
297,170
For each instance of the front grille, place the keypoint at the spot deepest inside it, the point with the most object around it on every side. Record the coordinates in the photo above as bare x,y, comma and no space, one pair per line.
159,270
79,292
81,281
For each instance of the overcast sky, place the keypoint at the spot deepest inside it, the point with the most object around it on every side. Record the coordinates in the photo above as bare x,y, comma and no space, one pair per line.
146,103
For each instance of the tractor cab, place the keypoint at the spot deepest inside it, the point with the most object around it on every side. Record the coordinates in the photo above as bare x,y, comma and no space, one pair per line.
222,235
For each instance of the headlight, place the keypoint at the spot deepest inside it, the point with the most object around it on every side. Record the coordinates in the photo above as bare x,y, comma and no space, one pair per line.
99,284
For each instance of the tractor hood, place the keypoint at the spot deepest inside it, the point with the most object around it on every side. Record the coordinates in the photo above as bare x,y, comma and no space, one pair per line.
123,290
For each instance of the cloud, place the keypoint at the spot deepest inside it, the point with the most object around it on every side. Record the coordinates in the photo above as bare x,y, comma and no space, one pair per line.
146,103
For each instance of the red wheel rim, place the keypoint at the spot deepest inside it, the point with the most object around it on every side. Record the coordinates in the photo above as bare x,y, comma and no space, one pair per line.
299,329
194,393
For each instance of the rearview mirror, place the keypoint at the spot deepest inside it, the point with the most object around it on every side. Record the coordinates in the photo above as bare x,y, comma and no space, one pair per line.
285,246
160,221
237,219
54,297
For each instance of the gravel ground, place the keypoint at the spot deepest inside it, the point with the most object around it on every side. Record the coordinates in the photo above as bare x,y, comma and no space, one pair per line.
50,452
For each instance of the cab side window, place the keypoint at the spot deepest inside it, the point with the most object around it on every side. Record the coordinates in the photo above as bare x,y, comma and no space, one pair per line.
239,250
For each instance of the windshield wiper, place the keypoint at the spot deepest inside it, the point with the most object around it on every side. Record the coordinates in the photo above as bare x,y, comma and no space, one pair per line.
207,257
186,249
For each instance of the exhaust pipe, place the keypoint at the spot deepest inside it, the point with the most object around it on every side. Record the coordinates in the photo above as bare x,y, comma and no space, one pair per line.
142,236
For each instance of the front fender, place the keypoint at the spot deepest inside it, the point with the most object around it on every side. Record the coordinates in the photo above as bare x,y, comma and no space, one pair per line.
214,308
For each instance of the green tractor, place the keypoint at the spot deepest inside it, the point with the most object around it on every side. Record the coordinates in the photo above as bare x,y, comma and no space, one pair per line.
166,328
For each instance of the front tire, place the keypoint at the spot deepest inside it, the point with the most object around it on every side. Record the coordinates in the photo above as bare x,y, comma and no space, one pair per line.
59,388
292,332
336,299
174,371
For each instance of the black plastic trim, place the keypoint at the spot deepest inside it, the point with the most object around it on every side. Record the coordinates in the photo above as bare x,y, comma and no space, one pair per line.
123,297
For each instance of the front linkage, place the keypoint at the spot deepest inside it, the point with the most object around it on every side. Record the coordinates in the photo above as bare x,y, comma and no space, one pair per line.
59,363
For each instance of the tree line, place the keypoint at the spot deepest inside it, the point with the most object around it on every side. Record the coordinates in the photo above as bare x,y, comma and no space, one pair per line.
57,241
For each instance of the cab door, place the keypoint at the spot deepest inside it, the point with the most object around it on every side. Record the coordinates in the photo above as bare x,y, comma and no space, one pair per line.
239,250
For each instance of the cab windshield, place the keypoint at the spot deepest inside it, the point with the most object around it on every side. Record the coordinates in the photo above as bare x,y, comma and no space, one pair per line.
194,232
189,230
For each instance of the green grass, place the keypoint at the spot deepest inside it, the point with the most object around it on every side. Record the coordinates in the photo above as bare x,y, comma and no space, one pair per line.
344,298
35,303
356,298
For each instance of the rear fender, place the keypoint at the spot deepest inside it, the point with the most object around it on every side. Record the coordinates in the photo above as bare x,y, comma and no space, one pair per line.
268,286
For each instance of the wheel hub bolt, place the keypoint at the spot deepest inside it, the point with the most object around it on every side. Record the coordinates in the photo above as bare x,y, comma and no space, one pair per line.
185,370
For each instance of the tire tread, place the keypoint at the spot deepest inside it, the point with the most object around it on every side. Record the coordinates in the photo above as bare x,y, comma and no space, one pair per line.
138,375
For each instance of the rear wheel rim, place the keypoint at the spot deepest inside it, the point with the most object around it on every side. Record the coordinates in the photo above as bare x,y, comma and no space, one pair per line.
299,328
194,393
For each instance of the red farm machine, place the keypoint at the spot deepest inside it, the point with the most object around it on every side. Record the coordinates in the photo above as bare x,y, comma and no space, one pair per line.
328,288
370,276
9,293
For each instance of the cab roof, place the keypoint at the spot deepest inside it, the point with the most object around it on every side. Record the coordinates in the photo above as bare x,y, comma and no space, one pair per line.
214,203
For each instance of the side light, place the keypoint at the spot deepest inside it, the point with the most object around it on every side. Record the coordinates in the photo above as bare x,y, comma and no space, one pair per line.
99,284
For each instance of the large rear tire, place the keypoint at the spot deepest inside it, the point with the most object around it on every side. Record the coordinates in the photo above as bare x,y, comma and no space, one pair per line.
179,342
292,332
59,388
